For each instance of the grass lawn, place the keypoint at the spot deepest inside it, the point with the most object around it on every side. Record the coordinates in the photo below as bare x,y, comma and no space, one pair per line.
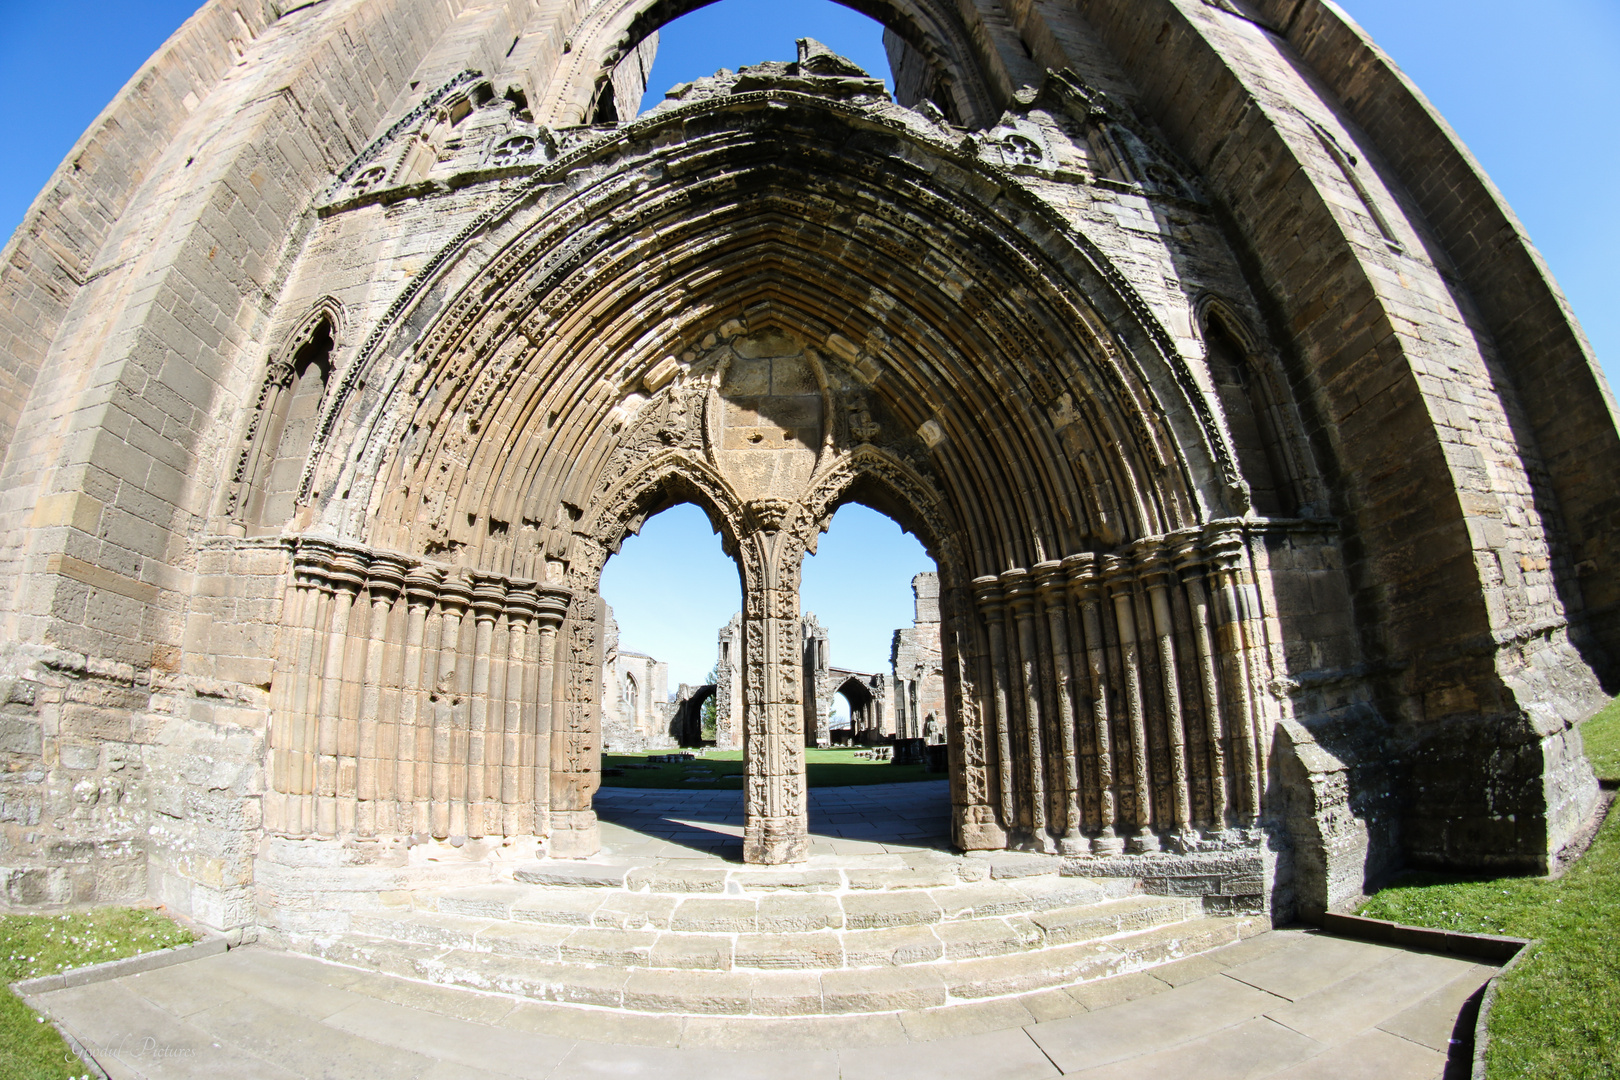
1558,1013
724,769
35,945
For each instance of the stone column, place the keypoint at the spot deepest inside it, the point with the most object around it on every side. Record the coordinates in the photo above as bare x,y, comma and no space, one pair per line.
775,816
551,607
574,737
449,715
1086,587
484,743
378,730
993,609
417,673
1157,576
1020,596
517,722
1121,585
1225,550
335,741
972,805
776,824
1052,585
1190,563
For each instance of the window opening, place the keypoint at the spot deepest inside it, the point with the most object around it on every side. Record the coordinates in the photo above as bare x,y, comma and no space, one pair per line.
1251,417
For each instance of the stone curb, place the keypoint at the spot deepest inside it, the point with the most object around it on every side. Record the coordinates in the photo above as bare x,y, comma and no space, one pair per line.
212,945
1482,946
1482,1035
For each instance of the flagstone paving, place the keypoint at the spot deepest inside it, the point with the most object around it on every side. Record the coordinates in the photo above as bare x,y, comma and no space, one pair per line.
1288,1005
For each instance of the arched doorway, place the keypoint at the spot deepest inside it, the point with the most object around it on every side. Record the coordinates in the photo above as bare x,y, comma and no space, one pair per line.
865,715
1099,658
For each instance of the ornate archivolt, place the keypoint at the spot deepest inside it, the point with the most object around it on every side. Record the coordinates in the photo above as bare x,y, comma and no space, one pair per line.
769,325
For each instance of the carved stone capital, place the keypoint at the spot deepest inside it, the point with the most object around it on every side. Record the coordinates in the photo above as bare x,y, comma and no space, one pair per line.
1019,591
551,607
386,578
769,515
455,595
422,586
488,598
987,591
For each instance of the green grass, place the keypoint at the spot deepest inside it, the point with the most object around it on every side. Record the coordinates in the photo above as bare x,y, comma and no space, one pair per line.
723,769
35,945
1558,1012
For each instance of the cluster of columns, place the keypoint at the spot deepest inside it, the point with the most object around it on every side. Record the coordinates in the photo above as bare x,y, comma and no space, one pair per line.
1120,694
409,699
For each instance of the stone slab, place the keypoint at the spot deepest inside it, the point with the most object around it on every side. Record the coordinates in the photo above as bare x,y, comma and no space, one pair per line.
994,1055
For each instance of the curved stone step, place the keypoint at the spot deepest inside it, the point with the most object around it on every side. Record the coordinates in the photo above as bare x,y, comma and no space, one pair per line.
742,991
889,873
848,908
802,947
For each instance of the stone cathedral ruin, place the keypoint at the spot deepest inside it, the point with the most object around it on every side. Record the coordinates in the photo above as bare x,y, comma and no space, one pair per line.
1270,480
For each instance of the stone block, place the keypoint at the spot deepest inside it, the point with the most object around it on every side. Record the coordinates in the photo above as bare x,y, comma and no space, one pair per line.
21,735
532,942
867,911
705,951
882,990
789,952
482,901
784,993
708,915
987,937
614,948
781,914
891,946
982,900
635,911
702,993
676,879
567,872
570,908
766,881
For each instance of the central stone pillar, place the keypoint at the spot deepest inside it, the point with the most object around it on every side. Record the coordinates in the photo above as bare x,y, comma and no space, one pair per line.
775,815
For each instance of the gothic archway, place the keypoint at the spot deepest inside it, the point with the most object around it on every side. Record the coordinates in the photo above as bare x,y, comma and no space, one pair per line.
821,326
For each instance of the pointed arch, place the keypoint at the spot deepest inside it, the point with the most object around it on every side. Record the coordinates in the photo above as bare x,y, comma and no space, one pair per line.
281,426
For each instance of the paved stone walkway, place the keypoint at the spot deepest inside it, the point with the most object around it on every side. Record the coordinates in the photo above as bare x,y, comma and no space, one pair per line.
871,820
1289,1005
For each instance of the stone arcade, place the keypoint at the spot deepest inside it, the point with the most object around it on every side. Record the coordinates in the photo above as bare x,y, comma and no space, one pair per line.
1270,482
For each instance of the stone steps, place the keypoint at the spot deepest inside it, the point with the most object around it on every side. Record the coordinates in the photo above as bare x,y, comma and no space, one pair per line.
738,939
865,935
922,870
744,912
908,982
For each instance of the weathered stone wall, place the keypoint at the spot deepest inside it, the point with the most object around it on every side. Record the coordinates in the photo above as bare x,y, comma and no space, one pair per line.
917,672
1268,475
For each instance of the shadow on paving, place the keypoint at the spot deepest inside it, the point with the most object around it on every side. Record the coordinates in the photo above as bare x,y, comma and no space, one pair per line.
868,819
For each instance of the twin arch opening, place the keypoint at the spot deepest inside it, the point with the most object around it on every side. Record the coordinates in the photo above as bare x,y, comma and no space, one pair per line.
545,387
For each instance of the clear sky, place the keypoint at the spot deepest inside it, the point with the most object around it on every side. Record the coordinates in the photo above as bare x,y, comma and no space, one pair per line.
1533,89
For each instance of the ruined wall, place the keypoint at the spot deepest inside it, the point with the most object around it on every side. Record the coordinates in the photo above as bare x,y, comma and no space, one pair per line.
917,672
1264,463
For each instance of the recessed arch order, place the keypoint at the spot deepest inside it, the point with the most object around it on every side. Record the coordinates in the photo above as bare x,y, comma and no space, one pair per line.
770,321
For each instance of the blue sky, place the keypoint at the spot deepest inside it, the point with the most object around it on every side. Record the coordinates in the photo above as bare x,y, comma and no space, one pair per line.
1533,89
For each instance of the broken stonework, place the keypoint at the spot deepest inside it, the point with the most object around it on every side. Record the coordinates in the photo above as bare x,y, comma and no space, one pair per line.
1269,480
